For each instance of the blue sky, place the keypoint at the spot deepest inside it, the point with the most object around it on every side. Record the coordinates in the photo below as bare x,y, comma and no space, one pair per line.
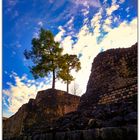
83,27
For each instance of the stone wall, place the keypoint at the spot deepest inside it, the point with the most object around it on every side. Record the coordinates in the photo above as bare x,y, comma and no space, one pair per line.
110,133
118,95
113,77
48,106
107,111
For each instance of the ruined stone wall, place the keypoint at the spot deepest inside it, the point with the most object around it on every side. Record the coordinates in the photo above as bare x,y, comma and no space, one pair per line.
110,133
48,106
118,95
109,105
113,77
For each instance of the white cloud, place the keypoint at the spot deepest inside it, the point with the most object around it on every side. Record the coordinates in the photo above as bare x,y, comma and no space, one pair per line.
69,24
36,33
25,89
127,9
22,91
60,34
121,1
67,45
85,11
108,21
111,9
12,2
70,21
40,23
87,3
10,5
125,35
96,22
5,72
107,24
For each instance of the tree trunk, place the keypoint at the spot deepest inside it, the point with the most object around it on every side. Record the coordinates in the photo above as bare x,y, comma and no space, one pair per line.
67,87
53,82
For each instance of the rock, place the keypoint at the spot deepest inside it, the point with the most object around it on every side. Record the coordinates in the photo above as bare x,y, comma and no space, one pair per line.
91,134
117,121
111,134
26,138
114,72
60,136
108,107
131,133
30,138
49,136
75,135
131,117
112,88
36,137
94,123
48,106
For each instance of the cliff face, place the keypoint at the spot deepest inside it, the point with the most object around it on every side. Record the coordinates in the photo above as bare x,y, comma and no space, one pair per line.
113,78
48,106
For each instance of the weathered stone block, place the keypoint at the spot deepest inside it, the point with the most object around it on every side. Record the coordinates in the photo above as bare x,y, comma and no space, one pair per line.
60,136
49,136
36,137
74,135
111,134
90,134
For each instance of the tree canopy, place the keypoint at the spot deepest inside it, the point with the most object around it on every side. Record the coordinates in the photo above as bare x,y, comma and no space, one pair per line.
46,55
69,62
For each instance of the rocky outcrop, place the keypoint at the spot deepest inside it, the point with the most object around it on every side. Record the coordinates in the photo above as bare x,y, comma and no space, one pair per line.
4,118
113,78
111,96
108,109
48,106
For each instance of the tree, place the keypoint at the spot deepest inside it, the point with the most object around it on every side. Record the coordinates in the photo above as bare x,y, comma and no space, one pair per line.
45,54
75,89
69,62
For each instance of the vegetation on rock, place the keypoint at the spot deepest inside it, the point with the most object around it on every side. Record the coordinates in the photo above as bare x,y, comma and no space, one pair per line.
46,54
70,62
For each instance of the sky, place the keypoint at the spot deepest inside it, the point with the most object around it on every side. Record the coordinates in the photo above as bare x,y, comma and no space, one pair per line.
83,27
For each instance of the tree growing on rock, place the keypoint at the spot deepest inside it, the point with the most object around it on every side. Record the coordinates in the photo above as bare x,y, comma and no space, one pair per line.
70,62
45,54
75,89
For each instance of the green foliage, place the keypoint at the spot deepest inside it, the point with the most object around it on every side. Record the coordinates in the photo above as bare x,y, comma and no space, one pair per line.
45,53
69,62
47,57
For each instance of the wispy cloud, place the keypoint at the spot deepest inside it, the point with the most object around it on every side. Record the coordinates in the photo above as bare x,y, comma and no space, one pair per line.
87,3
40,23
123,35
84,43
23,89
60,34
9,5
111,9
12,2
